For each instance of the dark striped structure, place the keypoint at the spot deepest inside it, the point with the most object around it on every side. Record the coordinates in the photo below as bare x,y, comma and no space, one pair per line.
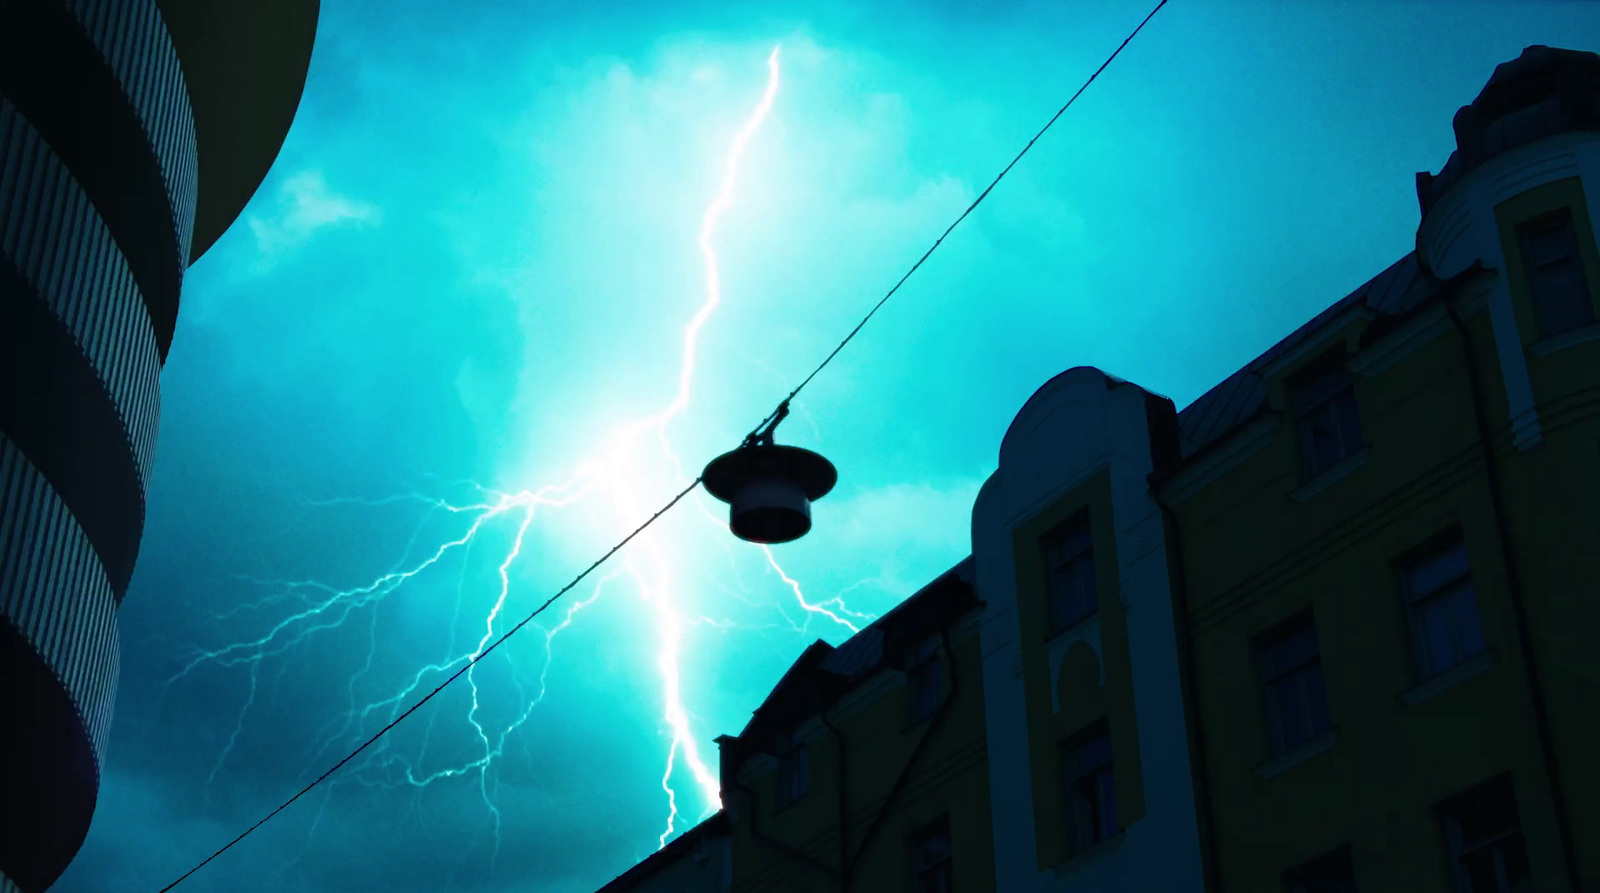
131,134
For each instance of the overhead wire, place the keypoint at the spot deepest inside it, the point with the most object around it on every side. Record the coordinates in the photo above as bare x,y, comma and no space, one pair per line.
766,426
782,406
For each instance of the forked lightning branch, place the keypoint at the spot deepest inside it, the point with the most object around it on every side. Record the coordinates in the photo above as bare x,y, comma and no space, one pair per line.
611,482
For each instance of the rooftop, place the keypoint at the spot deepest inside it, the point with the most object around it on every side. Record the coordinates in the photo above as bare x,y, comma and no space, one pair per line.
682,845
1544,92
824,673
1242,397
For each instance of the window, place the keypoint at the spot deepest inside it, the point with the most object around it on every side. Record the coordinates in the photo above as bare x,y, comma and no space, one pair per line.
1291,669
1555,273
926,680
1443,609
1332,873
1485,839
1069,573
791,770
1091,789
931,866
1325,414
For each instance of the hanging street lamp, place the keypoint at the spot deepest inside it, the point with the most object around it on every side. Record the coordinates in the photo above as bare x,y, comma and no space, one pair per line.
769,488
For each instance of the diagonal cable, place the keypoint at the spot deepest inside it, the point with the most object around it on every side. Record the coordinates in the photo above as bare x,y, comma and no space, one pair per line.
783,406
776,414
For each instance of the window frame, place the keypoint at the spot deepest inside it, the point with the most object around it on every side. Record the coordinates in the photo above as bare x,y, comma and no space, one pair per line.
1455,591
1556,219
1101,794
793,777
1340,404
924,680
1075,537
943,865
1265,646
1457,849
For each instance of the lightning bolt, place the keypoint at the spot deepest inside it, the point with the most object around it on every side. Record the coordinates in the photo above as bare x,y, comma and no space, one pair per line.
618,479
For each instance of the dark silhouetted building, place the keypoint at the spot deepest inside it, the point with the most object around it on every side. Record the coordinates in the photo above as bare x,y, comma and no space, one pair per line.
1326,629
132,132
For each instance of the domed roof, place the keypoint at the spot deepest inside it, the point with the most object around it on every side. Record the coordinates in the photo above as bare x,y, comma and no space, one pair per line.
1532,78
1543,92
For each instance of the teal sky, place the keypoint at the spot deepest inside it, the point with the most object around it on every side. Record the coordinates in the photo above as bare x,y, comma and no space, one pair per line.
471,267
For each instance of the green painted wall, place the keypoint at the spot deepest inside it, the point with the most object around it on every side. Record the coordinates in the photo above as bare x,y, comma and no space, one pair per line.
1554,507
1255,556
950,777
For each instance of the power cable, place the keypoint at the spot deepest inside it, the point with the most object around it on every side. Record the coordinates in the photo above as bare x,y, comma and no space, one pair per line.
783,406
766,426
441,686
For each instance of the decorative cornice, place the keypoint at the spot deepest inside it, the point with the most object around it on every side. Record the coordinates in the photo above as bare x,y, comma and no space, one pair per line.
1281,764
1580,335
1331,476
1316,340
1525,430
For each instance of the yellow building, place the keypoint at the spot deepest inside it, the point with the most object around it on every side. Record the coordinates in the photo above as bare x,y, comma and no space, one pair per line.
882,737
1327,629
1389,529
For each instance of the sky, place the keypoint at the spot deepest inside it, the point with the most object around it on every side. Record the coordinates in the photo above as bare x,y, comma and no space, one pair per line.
435,369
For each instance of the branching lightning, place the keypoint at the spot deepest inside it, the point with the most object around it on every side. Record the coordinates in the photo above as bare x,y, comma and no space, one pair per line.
614,480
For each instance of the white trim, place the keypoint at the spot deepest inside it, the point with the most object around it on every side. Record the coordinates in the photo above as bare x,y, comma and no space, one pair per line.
1445,226
967,626
1580,335
1332,475
1233,450
1447,679
1588,156
1507,335
1445,237
1536,170
1313,342
1525,167
1053,494
1525,430
996,631
1076,434
1278,765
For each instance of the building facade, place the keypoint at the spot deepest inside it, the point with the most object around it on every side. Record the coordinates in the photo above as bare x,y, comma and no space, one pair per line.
1389,523
866,768
132,132
1089,755
700,860
1326,629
